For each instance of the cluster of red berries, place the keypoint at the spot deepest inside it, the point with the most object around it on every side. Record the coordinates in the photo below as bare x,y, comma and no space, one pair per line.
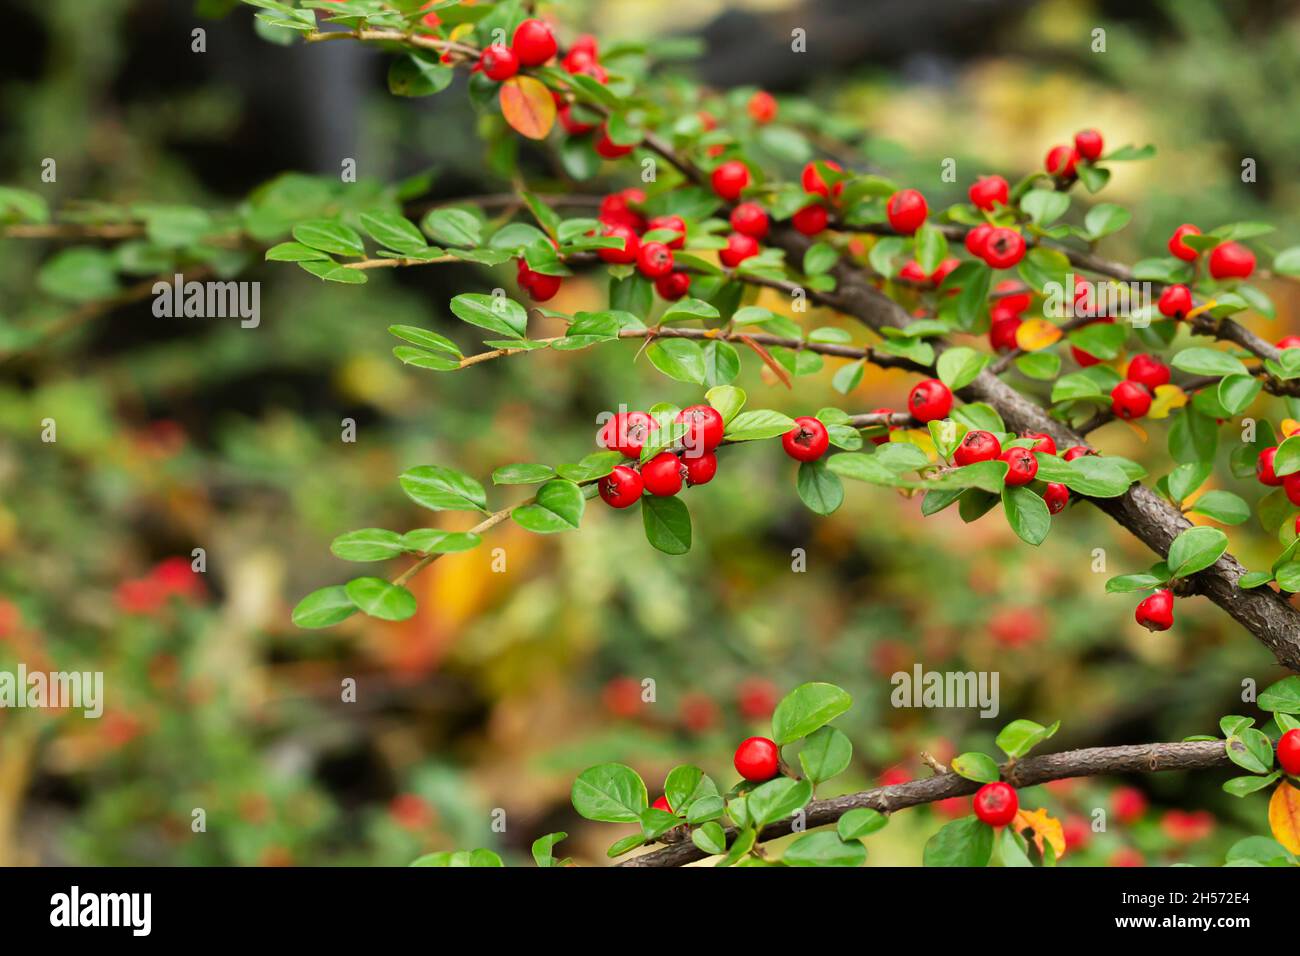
1228,260
999,246
665,473
913,272
532,45
653,259
1063,161
1022,467
1007,314
757,759
1131,398
1266,474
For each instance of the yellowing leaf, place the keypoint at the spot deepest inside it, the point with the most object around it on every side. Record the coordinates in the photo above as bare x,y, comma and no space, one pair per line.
920,437
1290,426
1203,307
1284,816
1036,334
1168,397
1045,828
527,105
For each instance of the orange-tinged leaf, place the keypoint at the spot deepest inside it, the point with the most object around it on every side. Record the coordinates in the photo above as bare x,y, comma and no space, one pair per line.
1284,816
1167,398
1289,427
1036,334
1044,827
773,365
528,106
1137,429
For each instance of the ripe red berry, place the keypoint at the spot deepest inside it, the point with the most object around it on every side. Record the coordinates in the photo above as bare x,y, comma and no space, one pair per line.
1128,804
574,127
810,220
1010,299
757,698
1077,451
1175,302
499,62
661,803
701,468
1291,485
906,210
762,107
627,432
996,803
978,238
807,441
673,286
1156,612
620,255
654,260
616,209
606,148
1130,400
812,180
542,287
730,179
751,219
757,759
1003,248
943,270
1264,468
1148,370
1057,497
663,474
534,42
912,272
977,446
989,192
621,487
1044,443
671,224
929,400
1061,161
704,428
1179,248
739,248
1290,342
1022,466
1231,260
1088,144
1002,333
1288,752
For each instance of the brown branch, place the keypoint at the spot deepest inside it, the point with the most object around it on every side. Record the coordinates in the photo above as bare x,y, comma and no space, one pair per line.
1026,772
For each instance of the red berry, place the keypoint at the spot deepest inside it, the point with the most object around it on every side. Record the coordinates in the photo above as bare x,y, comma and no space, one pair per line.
1290,342
1002,333
1175,302
625,254
1156,612
758,759
1128,804
499,62
701,468
996,803
757,698
1057,497
906,210
1088,144
929,400
663,474
1009,298
654,260
673,286
739,248
977,446
1288,752
1130,400
912,272
1291,485
751,219
661,803
807,441
616,209
621,487
943,270
1077,451
606,147
989,192
1004,248
1147,370
1061,161
627,432
978,238
542,287
1044,443
1264,467
1022,466
762,107
572,126
814,183
730,179
534,42
810,220
1179,248
704,427
1231,260
671,224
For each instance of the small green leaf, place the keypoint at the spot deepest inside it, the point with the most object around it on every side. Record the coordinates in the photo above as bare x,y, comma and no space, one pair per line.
324,608
860,822
807,708
819,488
1021,736
381,599
964,842
824,848
710,839
777,799
368,544
329,235
667,524
826,752
976,766
558,507
1196,549
610,793
443,489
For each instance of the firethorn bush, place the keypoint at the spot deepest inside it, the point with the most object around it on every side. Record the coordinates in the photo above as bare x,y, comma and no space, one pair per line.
1020,337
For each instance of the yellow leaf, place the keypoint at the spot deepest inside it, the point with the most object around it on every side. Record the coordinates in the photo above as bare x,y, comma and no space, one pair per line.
1284,816
528,106
1289,427
1203,307
1168,397
1036,334
920,437
1045,828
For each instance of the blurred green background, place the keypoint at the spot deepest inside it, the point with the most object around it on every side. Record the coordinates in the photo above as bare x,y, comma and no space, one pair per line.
183,434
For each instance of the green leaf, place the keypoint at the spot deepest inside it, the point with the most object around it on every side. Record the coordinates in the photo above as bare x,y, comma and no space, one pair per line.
819,487
1287,459
976,766
680,359
860,822
1251,750
1236,392
1127,583
777,799
368,544
610,793
727,399
757,424
684,785
415,76
443,489
1282,697
1026,513
820,258
740,846
958,367
453,227
1253,579
329,235
1043,366
1021,736
1106,218
619,847
1203,361
667,524
425,339
824,848
807,708
1262,850
544,847
1045,206
324,608
436,541
931,248
596,465
1222,506
525,473
496,313
331,271
393,231
826,752
710,838
1098,477
79,275
294,252
964,842
381,599
558,507
721,362
1195,549
1244,786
